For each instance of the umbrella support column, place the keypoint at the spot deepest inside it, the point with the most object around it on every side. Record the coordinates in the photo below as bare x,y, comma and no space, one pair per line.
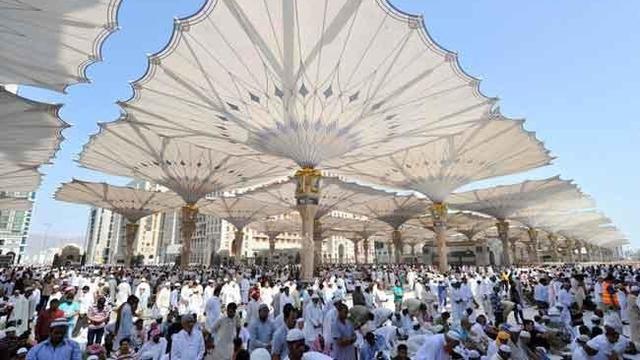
514,252
131,230
365,248
503,233
554,247
317,242
272,248
396,237
439,214
533,237
307,198
238,239
356,251
189,217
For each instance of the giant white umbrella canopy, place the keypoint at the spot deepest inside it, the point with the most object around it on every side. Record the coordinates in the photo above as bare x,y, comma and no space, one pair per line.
495,147
18,178
31,131
31,135
502,202
132,204
14,203
334,194
602,236
126,149
275,226
318,82
554,215
51,43
240,211
394,210
321,83
358,229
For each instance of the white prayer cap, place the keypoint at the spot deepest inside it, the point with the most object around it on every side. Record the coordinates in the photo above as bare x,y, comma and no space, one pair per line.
437,329
583,338
59,322
312,355
473,354
505,348
453,335
295,335
93,357
593,344
260,354
525,334
613,321
21,351
147,355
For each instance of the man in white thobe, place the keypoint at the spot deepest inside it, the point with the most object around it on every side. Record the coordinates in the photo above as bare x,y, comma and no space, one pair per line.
143,291
188,344
163,299
124,290
224,331
20,312
438,347
312,320
244,289
212,309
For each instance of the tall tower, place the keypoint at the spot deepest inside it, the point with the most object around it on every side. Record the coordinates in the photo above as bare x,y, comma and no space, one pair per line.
14,229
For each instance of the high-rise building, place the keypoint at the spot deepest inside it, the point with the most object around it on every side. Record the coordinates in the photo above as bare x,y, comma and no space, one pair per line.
14,228
103,231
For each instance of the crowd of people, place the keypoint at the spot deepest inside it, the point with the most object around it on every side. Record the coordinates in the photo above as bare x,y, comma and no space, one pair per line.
398,312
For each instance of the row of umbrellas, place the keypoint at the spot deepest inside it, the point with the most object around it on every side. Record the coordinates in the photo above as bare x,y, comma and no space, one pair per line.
247,93
50,45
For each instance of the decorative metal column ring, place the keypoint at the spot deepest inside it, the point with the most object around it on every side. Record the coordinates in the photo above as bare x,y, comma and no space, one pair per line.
308,186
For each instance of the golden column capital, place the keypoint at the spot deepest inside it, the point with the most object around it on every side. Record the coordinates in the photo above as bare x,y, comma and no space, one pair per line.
439,213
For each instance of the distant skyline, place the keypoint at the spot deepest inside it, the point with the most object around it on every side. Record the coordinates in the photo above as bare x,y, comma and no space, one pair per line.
569,68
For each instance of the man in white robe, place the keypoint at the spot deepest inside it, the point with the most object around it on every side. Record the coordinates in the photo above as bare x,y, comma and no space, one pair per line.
438,347
163,299
313,317
188,344
212,309
224,331
244,289
143,292
20,312
124,290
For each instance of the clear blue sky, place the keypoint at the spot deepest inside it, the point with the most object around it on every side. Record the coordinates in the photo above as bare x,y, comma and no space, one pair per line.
569,67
